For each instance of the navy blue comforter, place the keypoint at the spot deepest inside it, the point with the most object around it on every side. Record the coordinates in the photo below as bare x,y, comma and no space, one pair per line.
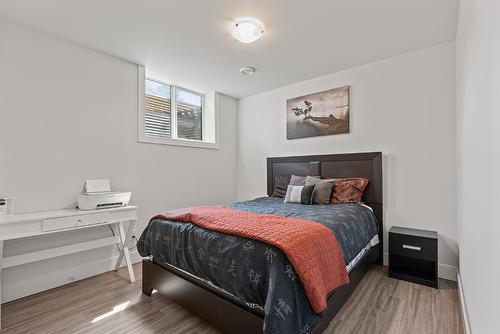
256,273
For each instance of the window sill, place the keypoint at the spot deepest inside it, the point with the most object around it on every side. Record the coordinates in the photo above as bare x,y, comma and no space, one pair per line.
179,142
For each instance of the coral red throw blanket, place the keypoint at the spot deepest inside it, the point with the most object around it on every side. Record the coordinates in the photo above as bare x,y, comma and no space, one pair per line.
311,248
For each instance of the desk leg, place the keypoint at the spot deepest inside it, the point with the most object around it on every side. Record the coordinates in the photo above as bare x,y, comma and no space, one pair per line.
1,256
124,238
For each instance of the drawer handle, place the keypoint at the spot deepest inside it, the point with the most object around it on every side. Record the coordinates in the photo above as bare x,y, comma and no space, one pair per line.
79,220
416,248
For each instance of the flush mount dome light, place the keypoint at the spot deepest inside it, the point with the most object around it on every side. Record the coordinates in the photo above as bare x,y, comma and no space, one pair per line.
247,30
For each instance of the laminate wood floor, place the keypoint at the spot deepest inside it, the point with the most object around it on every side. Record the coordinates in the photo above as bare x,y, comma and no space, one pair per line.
108,303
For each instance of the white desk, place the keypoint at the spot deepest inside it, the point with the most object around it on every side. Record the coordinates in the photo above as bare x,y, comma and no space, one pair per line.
41,223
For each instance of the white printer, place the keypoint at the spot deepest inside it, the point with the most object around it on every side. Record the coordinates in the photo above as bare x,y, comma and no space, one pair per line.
98,195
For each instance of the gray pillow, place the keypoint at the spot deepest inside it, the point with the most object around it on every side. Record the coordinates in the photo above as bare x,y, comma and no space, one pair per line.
297,180
311,180
322,189
299,194
301,180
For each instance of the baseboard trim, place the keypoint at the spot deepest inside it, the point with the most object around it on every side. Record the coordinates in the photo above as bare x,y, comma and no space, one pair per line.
51,280
445,271
463,305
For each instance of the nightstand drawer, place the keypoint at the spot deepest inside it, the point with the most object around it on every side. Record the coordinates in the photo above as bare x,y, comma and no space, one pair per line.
413,246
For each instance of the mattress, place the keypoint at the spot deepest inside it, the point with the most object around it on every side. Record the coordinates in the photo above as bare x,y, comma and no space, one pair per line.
258,274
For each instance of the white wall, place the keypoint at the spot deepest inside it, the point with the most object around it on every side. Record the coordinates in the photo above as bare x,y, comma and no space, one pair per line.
68,113
478,144
402,106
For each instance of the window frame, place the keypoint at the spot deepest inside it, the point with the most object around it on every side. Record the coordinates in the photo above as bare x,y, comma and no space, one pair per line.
204,143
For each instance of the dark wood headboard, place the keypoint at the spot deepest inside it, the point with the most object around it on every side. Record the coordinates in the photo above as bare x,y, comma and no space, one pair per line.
368,165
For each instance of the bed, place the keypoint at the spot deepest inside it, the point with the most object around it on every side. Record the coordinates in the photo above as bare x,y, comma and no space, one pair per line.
203,278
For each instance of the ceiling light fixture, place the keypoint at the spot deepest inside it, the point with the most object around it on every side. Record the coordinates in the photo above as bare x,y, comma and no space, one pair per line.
247,70
247,29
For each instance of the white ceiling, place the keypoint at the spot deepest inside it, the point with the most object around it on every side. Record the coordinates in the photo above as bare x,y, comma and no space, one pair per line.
186,42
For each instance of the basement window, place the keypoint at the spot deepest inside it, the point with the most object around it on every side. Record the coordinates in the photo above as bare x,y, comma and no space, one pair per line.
173,115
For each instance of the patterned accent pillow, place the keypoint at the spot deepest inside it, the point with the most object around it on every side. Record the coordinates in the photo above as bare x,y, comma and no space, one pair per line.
280,185
299,194
322,189
349,190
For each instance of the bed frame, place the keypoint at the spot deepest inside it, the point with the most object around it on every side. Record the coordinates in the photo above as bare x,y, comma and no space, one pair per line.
229,314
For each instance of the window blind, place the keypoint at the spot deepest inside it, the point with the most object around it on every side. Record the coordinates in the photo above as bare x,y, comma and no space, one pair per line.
157,120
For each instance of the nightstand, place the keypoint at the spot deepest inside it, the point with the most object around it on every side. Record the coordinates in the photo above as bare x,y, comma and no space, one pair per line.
413,255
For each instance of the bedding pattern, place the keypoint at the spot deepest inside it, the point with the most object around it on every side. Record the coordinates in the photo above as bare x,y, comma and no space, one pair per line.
310,247
258,274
